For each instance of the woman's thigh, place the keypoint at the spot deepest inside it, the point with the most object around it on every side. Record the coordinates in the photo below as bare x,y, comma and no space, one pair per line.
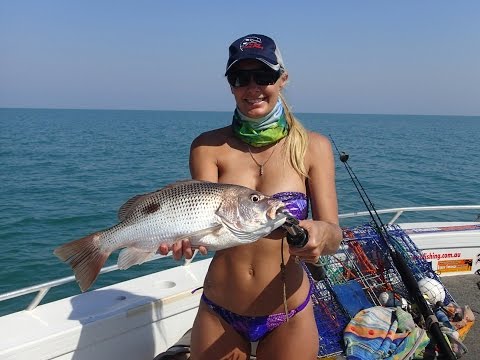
213,338
295,339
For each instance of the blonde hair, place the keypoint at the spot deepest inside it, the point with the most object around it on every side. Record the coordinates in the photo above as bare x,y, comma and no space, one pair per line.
296,142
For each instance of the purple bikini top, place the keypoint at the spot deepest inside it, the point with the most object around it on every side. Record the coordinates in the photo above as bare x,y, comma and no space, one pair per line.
296,203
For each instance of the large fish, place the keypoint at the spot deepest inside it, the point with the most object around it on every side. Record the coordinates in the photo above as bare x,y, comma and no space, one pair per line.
217,216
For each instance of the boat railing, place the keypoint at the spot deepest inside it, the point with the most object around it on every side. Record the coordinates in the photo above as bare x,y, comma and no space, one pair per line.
44,288
399,211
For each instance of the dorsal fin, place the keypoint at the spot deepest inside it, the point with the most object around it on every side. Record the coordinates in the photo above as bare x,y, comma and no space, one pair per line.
133,202
183,182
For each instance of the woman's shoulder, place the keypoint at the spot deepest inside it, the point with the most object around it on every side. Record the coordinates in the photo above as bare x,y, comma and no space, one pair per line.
319,150
318,141
215,137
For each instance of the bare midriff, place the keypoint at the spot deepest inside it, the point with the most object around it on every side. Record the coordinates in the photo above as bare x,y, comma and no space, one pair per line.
248,279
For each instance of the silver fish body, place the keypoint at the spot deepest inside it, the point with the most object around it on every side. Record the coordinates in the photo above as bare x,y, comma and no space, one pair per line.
217,216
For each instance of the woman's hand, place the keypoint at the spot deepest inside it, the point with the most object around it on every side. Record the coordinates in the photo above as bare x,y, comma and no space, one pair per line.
181,248
323,238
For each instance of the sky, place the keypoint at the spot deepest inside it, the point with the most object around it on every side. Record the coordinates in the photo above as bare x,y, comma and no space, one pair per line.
344,56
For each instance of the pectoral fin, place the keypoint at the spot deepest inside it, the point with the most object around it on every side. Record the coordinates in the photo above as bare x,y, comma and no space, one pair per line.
195,237
133,256
245,237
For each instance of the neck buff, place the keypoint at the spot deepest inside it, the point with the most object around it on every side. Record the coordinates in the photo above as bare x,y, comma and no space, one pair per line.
263,131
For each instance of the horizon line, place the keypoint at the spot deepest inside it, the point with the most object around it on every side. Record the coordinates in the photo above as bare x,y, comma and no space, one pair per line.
222,111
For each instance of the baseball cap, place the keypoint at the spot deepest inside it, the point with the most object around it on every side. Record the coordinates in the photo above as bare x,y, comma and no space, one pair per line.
255,46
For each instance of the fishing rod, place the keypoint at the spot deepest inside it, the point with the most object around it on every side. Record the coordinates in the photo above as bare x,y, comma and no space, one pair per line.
431,321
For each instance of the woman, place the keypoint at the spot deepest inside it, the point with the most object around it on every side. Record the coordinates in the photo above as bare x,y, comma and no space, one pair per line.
260,292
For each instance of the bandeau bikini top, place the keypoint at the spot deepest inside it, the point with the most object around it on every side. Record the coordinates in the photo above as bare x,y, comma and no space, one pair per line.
296,203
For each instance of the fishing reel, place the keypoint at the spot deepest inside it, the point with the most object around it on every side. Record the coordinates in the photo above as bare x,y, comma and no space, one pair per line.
343,157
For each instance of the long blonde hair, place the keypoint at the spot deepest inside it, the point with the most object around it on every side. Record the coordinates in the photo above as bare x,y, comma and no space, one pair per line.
296,142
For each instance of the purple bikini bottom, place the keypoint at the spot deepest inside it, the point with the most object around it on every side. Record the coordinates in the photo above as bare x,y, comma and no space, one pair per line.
254,328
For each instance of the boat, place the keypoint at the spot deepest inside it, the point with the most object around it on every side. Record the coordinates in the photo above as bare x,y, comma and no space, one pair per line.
142,317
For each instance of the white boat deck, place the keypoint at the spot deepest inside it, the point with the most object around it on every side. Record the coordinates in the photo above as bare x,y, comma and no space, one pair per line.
152,304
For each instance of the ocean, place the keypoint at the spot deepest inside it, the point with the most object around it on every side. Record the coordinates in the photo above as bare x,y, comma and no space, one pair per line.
65,173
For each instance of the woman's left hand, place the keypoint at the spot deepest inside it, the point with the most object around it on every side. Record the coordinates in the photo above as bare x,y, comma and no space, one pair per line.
323,238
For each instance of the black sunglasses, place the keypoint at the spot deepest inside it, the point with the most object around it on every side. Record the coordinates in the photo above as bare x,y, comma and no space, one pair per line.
239,78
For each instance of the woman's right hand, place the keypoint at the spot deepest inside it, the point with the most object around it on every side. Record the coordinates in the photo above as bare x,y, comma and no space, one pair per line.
181,248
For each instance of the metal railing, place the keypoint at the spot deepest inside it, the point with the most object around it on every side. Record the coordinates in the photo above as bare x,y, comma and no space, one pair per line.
399,211
44,288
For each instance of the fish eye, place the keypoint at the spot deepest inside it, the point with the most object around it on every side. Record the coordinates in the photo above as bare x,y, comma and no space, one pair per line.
255,197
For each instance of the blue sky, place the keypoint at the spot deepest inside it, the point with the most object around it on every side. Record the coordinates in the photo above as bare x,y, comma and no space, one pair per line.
404,57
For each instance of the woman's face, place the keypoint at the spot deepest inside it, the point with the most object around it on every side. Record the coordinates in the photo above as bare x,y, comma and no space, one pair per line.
256,101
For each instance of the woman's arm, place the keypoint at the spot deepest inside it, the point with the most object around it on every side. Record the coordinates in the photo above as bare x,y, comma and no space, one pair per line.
324,230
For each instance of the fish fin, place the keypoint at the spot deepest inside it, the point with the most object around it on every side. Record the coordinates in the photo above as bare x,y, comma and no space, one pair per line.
197,235
84,257
244,237
130,204
132,256
184,182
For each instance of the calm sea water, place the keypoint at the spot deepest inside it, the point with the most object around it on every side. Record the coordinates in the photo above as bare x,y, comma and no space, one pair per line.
64,174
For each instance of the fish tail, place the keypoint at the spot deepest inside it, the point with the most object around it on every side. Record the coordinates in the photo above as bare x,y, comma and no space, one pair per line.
85,258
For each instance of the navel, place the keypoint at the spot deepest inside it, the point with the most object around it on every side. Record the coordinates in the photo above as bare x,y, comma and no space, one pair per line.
251,271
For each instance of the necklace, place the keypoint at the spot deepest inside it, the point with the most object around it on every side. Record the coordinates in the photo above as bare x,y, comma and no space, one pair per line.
260,166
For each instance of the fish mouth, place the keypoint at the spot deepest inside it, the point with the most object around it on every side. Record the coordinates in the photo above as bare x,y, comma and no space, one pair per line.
278,208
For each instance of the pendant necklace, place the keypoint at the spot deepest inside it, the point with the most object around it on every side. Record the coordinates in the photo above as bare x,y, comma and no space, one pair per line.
260,166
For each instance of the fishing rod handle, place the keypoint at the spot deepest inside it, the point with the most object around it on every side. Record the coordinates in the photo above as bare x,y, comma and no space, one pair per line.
296,236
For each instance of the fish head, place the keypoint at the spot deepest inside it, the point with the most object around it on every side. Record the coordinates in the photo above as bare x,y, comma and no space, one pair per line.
249,214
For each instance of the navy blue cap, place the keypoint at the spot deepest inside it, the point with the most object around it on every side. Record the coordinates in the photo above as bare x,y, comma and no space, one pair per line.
255,46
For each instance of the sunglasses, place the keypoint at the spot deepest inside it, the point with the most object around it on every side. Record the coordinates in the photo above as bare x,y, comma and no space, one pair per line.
241,78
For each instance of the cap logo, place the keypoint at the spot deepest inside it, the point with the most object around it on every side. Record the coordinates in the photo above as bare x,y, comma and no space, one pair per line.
251,43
